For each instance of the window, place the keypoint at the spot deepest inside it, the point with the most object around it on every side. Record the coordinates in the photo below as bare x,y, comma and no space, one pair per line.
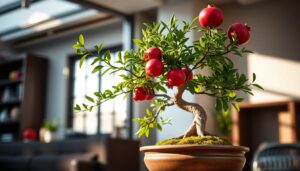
106,117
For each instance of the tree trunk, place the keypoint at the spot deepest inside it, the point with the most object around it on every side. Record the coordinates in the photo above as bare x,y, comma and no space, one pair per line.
198,126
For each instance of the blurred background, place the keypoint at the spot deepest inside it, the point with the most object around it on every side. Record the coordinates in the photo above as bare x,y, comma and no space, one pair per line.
40,78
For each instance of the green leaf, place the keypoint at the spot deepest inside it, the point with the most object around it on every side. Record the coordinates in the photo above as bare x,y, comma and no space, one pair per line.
224,104
158,126
85,105
232,94
258,86
97,59
107,55
81,39
149,113
253,77
97,69
90,99
97,94
82,60
77,46
137,41
218,104
147,131
236,106
77,107
100,47
105,71
198,89
195,19
239,99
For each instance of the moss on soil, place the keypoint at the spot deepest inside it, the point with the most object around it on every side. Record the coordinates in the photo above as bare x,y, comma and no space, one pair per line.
204,140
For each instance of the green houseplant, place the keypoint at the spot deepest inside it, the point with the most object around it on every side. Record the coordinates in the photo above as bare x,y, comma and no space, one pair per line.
165,60
47,132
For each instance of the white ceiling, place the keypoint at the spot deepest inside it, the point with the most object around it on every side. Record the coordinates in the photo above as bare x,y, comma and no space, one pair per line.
129,6
132,6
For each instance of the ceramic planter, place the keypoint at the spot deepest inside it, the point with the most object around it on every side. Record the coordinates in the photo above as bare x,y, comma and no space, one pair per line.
194,157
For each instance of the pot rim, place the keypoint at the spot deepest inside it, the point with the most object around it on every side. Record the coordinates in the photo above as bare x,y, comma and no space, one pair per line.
193,146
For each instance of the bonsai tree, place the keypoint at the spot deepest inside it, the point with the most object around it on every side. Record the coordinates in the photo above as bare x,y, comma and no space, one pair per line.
164,60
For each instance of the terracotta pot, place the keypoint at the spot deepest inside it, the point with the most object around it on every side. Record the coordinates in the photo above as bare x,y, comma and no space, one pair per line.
194,157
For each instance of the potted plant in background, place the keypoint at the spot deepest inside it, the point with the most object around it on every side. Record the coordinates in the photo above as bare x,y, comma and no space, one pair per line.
48,130
164,61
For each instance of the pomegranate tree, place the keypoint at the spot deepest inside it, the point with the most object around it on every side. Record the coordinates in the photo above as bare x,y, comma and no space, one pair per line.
164,61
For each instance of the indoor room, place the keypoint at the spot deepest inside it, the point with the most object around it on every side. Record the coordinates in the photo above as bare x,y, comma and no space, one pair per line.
158,85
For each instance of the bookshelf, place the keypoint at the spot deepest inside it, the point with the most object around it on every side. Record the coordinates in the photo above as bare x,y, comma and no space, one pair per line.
22,95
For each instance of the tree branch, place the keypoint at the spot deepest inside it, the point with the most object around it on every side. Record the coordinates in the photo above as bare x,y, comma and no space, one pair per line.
206,93
159,110
163,95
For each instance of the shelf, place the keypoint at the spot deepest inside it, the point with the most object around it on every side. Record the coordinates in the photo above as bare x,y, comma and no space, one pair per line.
11,103
11,61
9,82
8,123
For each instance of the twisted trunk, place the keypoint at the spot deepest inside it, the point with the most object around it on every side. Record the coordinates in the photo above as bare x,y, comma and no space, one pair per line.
197,128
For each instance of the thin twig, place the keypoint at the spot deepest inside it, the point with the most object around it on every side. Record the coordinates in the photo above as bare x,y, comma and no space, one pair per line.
163,95
159,110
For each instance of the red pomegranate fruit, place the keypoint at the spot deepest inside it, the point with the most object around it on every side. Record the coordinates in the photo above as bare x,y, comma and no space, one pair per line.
150,93
241,31
188,73
152,53
154,68
139,94
176,77
211,16
149,97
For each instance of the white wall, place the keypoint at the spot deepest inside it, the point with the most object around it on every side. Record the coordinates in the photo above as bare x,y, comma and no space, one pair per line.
57,51
274,39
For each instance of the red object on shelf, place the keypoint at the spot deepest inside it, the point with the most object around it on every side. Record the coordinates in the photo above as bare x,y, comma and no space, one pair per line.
29,134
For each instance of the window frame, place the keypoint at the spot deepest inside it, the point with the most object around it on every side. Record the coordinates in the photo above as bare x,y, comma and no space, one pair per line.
70,93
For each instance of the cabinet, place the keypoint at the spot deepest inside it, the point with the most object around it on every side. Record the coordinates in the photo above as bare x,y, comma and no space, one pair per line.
257,123
22,95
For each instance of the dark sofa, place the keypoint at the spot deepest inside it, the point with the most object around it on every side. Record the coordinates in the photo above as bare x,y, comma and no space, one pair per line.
89,154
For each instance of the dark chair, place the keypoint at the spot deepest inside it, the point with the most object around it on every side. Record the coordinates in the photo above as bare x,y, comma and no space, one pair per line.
277,157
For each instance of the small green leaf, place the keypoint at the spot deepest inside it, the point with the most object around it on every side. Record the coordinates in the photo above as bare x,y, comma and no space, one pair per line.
239,99
225,105
85,105
236,106
100,47
138,41
97,94
198,89
77,46
97,69
253,77
77,107
232,94
149,113
97,59
105,71
82,60
81,39
195,19
218,104
91,108
158,126
258,86
90,99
